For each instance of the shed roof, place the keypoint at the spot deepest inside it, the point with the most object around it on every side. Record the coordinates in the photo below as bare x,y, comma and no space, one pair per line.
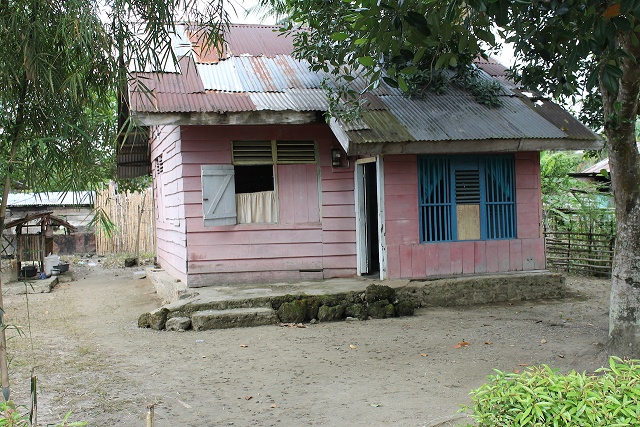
55,198
39,217
257,72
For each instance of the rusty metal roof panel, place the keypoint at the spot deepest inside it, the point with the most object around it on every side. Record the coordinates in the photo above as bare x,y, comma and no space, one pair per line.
491,67
254,74
187,81
297,73
182,102
257,40
217,102
169,102
230,102
252,40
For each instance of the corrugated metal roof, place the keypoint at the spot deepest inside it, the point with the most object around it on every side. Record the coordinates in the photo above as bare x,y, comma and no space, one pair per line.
71,198
602,164
257,72
253,40
445,117
294,99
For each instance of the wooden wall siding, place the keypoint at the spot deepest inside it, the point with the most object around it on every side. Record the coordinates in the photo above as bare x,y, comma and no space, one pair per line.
298,194
407,258
301,245
171,239
338,216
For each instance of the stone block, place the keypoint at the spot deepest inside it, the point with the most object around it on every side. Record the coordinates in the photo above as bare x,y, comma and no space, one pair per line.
234,318
381,309
404,308
328,313
178,324
357,311
157,318
375,293
293,312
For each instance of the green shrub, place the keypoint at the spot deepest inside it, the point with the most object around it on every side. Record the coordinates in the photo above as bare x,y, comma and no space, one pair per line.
541,396
10,416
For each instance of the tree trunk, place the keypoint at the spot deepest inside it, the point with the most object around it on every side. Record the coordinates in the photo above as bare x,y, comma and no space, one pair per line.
624,161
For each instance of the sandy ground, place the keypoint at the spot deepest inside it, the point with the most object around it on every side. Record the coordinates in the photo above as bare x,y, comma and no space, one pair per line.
91,358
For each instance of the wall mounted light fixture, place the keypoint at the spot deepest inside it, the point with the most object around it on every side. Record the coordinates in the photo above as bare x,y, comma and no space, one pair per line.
336,157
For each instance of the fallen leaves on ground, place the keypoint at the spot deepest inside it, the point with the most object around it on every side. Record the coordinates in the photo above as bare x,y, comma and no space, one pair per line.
248,397
543,341
353,347
292,325
244,346
462,344
488,342
423,354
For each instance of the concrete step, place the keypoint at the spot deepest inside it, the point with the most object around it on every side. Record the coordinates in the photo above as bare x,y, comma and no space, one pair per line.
233,318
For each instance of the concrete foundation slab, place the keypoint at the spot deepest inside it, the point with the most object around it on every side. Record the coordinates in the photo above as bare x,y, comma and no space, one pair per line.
31,286
210,307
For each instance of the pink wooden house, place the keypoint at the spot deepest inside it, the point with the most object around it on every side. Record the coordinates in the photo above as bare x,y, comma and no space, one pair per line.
253,185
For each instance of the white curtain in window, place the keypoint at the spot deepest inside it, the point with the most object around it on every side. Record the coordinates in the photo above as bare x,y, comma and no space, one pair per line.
256,207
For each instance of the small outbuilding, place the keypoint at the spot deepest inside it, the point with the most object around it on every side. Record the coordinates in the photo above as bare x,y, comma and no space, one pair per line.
34,238
253,185
73,207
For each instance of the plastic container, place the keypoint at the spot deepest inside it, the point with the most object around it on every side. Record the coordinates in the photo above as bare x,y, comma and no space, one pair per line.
50,262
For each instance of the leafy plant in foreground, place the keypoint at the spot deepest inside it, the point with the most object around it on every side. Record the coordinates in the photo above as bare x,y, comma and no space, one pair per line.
10,416
540,396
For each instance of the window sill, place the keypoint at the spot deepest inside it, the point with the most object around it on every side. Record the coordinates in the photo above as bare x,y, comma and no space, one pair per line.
266,226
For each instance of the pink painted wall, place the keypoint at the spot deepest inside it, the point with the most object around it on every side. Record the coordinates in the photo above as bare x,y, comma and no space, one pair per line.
315,235
171,238
408,258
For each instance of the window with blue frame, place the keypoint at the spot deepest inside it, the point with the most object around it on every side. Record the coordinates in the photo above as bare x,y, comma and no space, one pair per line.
466,198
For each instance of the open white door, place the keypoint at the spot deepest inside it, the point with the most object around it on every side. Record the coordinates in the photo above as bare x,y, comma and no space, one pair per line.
369,245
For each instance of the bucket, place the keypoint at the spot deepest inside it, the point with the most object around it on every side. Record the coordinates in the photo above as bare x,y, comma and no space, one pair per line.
50,262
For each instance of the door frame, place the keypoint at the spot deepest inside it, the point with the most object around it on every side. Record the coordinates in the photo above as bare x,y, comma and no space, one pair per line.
361,218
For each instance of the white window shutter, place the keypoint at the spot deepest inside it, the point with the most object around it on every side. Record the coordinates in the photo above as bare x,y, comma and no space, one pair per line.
218,195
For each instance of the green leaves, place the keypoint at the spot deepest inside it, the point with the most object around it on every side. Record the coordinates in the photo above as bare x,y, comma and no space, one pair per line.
541,395
339,36
610,77
366,61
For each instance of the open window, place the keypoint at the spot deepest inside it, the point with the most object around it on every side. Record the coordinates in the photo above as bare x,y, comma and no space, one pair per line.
247,191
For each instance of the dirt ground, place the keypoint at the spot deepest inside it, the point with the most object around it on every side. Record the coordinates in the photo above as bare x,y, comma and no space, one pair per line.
91,358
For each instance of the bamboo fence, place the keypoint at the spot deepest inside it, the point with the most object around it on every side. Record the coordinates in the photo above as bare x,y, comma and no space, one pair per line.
127,211
579,245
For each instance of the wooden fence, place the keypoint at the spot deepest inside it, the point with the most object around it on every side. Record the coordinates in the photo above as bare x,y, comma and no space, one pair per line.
576,244
128,212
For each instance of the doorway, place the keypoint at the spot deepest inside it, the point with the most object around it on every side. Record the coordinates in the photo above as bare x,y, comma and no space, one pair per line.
367,218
